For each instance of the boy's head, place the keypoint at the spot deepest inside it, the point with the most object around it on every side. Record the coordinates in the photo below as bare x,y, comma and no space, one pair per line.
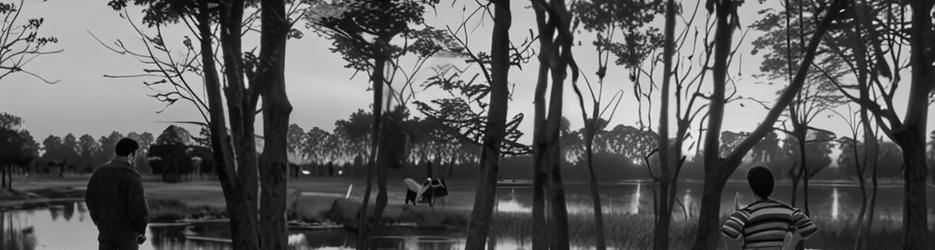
761,181
126,146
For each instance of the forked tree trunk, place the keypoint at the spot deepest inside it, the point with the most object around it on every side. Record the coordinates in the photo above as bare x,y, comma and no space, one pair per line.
486,193
717,169
243,224
540,239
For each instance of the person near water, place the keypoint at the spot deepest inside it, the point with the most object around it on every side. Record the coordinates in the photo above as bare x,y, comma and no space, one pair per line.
116,201
412,190
764,223
425,193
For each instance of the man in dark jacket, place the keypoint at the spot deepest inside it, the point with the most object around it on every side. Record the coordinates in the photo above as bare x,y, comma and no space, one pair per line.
116,201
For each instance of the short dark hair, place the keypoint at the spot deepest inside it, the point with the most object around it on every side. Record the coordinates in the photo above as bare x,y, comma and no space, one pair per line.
126,146
761,181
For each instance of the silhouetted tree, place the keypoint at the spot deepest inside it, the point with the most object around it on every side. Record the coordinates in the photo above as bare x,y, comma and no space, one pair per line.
717,168
22,40
88,148
247,77
17,148
368,45
108,144
873,38
553,22
70,150
605,18
817,96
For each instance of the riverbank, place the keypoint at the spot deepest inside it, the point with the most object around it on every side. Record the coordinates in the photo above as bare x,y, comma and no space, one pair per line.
311,199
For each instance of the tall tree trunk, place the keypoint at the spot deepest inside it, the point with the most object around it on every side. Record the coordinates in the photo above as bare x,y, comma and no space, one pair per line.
664,211
240,106
561,56
873,191
486,194
242,223
270,76
377,79
706,236
911,136
595,193
390,155
540,239
717,169
803,167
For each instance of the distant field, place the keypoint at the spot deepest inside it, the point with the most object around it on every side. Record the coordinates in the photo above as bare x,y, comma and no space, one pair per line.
318,192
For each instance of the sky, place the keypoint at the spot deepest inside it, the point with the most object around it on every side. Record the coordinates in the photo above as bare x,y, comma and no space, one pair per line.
320,89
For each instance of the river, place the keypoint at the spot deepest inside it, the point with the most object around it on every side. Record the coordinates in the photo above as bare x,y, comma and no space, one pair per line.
68,225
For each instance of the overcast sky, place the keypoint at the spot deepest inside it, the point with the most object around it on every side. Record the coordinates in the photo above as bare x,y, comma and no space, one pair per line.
320,88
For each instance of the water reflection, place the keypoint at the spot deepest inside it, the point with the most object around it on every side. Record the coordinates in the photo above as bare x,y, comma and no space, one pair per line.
688,202
57,227
67,225
835,204
635,204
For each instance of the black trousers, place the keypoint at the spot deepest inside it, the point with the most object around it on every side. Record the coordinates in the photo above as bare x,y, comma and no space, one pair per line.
411,196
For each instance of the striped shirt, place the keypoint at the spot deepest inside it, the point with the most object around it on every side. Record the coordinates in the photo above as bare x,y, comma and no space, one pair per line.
763,224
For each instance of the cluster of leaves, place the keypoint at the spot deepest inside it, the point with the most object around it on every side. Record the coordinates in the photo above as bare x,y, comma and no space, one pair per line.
457,112
426,139
363,30
161,12
17,147
625,141
606,17
22,40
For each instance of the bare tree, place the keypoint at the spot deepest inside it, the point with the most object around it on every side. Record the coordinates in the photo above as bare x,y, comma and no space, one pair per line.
873,47
555,41
21,41
717,168
235,150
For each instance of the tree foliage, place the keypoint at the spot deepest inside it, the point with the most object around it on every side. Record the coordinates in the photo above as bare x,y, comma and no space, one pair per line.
23,40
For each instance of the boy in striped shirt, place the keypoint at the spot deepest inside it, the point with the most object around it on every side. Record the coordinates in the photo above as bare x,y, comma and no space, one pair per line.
763,223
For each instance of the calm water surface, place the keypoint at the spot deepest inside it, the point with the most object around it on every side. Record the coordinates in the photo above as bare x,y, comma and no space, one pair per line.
68,226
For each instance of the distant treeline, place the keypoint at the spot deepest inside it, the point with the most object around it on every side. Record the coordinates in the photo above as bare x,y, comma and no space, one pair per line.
620,153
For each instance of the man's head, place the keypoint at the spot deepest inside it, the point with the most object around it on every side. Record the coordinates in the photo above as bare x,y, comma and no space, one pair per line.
126,147
761,181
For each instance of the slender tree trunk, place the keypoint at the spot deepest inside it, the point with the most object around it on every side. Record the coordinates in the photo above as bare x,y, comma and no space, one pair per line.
664,211
595,193
858,244
390,155
486,194
276,110
796,175
706,236
562,59
540,239
869,155
873,193
717,170
377,79
803,168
